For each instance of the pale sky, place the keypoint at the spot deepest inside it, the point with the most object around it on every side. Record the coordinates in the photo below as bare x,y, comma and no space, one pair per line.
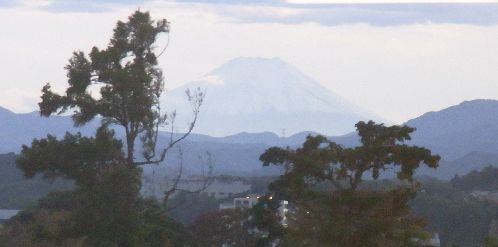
396,60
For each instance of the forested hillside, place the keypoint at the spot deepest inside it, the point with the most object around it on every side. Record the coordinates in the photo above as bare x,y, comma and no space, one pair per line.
17,191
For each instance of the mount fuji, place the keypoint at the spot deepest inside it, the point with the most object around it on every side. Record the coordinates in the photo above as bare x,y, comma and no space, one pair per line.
266,94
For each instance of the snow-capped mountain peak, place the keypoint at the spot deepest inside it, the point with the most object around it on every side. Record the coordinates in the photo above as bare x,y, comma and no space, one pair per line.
250,94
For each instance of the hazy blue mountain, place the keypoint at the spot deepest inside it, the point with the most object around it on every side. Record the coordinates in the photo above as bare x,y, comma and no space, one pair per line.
236,153
454,132
461,166
465,135
19,129
474,161
258,94
471,126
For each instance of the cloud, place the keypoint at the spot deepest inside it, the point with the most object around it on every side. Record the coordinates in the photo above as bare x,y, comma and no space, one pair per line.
62,6
328,13
235,2
397,71
372,14
89,5
8,3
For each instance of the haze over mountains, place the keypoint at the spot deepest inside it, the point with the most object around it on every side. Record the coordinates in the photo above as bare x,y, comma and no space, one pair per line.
265,96
468,140
260,94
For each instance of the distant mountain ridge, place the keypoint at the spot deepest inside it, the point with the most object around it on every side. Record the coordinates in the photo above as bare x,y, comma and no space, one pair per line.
19,129
471,126
465,135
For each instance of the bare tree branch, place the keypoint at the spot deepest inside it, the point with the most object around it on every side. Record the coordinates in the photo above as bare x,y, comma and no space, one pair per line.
196,101
206,182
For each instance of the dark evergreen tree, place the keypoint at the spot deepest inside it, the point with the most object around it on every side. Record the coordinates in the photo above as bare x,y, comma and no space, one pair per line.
106,209
327,208
130,82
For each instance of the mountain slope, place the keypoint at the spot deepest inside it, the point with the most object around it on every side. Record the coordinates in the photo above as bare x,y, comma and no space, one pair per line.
465,135
471,126
459,130
258,95
19,129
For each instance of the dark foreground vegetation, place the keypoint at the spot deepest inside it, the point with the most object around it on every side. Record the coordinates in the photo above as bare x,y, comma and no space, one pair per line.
333,195
447,207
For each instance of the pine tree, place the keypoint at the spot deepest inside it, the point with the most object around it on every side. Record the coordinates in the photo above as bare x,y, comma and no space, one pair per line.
105,208
322,182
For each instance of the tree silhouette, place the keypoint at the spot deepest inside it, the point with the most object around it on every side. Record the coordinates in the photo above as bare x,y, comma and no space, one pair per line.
106,209
130,82
321,182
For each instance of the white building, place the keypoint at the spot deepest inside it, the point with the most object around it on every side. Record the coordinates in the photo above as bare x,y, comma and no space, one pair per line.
433,242
241,202
250,201
282,210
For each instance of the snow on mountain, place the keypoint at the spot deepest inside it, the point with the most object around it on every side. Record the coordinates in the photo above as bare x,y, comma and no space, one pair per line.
260,94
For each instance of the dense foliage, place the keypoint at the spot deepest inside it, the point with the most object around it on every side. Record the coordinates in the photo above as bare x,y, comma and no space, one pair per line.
55,221
484,179
459,218
345,215
129,79
105,208
229,226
